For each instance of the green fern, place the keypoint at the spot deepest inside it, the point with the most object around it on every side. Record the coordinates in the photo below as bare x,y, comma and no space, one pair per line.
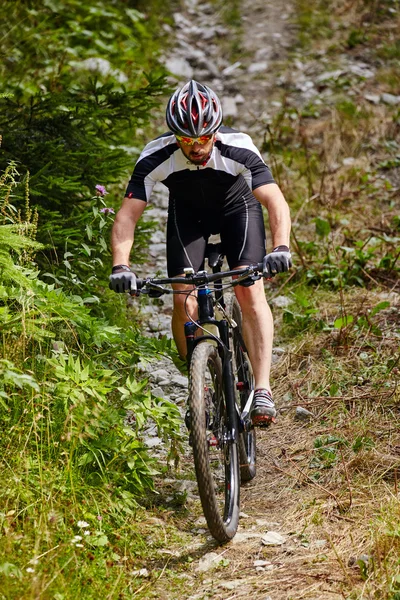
12,243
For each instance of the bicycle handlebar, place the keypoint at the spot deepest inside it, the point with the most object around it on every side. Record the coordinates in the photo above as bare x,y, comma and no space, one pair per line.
199,278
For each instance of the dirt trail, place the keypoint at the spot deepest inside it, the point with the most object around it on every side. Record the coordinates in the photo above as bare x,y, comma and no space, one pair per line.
307,562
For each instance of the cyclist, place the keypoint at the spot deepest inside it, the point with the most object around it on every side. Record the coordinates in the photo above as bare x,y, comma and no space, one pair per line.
217,182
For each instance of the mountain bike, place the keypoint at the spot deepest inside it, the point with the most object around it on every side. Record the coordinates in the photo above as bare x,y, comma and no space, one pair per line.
221,388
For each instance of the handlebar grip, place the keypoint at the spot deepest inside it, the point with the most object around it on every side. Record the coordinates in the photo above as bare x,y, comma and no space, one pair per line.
139,285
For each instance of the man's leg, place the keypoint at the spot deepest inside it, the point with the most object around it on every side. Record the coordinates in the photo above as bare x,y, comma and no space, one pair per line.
244,238
184,307
186,246
258,329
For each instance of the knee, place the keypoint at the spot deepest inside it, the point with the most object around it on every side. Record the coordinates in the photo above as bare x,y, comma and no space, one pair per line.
251,296
184,305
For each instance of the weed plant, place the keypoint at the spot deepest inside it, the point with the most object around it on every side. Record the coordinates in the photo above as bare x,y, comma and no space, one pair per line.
335,156
73,414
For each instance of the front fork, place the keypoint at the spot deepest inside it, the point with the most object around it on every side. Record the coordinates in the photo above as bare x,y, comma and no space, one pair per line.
233,418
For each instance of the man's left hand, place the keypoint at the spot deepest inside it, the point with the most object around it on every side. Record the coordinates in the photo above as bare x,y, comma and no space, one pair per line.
278,261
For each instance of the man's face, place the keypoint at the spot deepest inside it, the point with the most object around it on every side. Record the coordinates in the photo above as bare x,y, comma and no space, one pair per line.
197,153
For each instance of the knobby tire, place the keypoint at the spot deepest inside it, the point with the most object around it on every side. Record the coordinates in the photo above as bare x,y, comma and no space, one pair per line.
243,374
217,466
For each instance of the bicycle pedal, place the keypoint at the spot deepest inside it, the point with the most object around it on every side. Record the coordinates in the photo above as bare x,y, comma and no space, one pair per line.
264,422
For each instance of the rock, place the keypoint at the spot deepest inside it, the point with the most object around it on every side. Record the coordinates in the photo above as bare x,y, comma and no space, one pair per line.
261,563
209,561
278,350
179,66
141,573
157,249
281,301
359,561
159,392
362,70
186,485
273,538
276,355
158,237
229,107
207,34
244,536
365,558
374,98
102,66
258,67
302,414
179,380
231,585
305,86
263,54
329,75
151,442
181,21
160,375
390,99
239,99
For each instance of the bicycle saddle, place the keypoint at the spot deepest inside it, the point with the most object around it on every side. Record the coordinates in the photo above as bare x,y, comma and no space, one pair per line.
214,254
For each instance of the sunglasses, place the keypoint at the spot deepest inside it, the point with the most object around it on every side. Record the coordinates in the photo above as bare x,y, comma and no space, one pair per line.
189,141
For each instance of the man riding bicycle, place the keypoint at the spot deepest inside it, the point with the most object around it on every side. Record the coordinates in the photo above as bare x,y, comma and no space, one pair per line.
217,182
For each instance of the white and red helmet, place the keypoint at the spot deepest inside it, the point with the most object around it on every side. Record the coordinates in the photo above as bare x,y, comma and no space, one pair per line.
194,110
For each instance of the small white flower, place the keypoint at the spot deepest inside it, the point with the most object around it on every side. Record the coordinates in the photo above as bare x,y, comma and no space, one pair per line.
30,570
77,538
86,532
79,546
82,524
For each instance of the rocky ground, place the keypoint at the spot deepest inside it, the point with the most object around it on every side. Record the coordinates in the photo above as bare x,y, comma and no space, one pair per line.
289,544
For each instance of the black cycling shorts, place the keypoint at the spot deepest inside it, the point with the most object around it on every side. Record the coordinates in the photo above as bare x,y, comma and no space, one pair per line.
241,229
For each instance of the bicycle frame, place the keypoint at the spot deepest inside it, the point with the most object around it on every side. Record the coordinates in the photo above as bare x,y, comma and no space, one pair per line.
201,280
221,433
206,317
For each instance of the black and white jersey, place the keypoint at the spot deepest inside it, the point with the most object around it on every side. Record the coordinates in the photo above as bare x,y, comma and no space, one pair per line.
235,167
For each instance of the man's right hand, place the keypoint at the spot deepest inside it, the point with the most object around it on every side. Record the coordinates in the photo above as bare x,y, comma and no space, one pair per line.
122,279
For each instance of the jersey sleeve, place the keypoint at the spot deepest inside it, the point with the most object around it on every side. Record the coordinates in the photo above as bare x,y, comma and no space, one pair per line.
240,148
256,172
141,183
150,168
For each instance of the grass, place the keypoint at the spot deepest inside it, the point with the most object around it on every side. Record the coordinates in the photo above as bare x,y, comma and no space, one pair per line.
62,538
335,162
333,480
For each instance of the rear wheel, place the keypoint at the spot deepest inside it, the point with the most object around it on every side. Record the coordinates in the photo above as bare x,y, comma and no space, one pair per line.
216,458
245,385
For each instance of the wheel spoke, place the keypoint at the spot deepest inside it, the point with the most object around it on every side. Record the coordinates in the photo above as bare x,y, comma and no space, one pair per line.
216,460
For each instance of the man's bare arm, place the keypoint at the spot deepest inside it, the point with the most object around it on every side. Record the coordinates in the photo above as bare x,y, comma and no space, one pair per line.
271,197
123,231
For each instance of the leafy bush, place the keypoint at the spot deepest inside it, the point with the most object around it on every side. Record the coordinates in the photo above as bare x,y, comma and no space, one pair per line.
71,110
87,395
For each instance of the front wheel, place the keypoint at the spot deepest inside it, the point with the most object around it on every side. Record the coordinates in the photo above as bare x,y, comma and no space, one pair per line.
245,383
215,456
